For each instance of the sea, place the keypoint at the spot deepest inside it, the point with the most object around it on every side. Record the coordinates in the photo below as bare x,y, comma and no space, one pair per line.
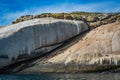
62,76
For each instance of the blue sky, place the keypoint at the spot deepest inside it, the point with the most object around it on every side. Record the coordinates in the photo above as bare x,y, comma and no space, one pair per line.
12,9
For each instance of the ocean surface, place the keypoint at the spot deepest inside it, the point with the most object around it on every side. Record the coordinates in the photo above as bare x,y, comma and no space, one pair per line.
63,76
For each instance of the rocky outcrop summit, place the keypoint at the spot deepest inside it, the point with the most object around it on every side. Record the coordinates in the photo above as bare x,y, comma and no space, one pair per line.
33,38
93,19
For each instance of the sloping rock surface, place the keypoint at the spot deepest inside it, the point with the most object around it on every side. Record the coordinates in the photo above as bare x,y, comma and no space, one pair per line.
98,50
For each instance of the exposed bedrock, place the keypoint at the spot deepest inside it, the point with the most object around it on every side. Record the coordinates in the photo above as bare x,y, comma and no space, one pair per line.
98,50
35,37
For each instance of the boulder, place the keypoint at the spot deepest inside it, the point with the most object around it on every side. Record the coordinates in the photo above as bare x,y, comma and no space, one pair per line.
32,38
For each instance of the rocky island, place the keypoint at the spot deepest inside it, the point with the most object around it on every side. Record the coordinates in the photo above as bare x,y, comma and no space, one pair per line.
69,43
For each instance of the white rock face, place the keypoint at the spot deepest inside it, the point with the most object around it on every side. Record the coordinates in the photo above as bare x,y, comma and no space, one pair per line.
37,35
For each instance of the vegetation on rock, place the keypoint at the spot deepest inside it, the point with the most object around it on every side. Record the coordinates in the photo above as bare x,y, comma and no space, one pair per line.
92,18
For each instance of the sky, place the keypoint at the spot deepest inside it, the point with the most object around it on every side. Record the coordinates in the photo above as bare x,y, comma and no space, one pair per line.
12,9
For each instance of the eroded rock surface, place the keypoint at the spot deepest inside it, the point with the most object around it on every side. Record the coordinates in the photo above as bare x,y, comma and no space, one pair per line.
35,37
98,50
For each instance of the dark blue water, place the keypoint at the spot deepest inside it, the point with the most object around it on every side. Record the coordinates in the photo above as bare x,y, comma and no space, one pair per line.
53,76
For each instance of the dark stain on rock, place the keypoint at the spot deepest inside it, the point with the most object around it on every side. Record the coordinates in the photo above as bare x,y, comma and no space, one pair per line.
4,56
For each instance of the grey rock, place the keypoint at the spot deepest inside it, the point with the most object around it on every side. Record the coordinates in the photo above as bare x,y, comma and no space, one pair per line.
29,39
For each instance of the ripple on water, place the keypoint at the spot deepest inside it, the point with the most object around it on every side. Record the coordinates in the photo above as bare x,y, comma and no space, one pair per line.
63,76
